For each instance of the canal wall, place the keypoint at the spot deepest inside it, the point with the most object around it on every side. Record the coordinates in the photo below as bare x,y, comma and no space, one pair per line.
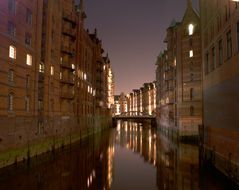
22,138
174,134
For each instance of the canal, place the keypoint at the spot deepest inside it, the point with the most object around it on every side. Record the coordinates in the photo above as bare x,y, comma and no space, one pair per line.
132,156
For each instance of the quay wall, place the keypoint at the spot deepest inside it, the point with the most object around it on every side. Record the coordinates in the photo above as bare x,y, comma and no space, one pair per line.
22,138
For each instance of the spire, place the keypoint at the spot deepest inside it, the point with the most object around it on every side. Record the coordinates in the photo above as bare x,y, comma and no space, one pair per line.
189,3
82,11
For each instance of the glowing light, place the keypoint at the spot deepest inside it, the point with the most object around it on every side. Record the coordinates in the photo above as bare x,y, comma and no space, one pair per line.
52,70
190,29
191,53
12,52
29,60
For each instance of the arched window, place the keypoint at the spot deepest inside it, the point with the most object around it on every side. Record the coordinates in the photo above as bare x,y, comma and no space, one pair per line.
10,101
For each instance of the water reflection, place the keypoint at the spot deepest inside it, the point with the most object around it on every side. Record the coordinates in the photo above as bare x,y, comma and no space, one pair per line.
88,165
131,156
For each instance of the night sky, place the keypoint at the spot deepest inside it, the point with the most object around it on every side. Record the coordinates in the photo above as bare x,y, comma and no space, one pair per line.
132,32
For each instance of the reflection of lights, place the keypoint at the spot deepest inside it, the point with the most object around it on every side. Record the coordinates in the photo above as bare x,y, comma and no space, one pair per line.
101,156
155,136
110,165
150,141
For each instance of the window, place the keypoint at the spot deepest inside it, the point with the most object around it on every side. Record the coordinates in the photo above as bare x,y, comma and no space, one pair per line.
190,29
11,76
191,93
60,75
52,70
191,53
12,6
29,60
238,36
191,110
229,45
12,52
41,67
28,39
213,59
10,102
29,17
27,81
220,49
27,103
191,76
11,29
206,63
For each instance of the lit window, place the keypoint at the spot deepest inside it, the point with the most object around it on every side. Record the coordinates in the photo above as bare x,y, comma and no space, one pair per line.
29,60
12,52
175,62
72,66
191,53
85,76
41,67
190,29
10,102
60,75
52,70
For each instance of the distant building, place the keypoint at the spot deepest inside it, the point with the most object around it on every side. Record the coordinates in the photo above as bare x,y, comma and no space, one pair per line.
220,43
117,110
179,77
143,100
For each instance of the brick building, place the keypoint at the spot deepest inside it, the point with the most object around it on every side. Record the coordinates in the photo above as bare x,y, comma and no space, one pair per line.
179,77
220,42
52,77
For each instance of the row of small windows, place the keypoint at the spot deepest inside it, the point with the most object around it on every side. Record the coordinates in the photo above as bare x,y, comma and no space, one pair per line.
211,57
11,78
13,55
11,102
11,29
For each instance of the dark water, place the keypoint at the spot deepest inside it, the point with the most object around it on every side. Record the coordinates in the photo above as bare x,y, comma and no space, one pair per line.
132,156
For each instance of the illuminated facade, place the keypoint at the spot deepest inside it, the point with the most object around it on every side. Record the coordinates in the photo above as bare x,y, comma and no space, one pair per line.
220,42
143,100
179,77
52,76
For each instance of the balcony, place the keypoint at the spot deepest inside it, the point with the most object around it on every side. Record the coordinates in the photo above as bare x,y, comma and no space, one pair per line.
68,31
69,81
69,18
67,65
67,50
67,95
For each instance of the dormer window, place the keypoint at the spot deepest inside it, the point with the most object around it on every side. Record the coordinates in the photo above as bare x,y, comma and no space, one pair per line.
190,29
